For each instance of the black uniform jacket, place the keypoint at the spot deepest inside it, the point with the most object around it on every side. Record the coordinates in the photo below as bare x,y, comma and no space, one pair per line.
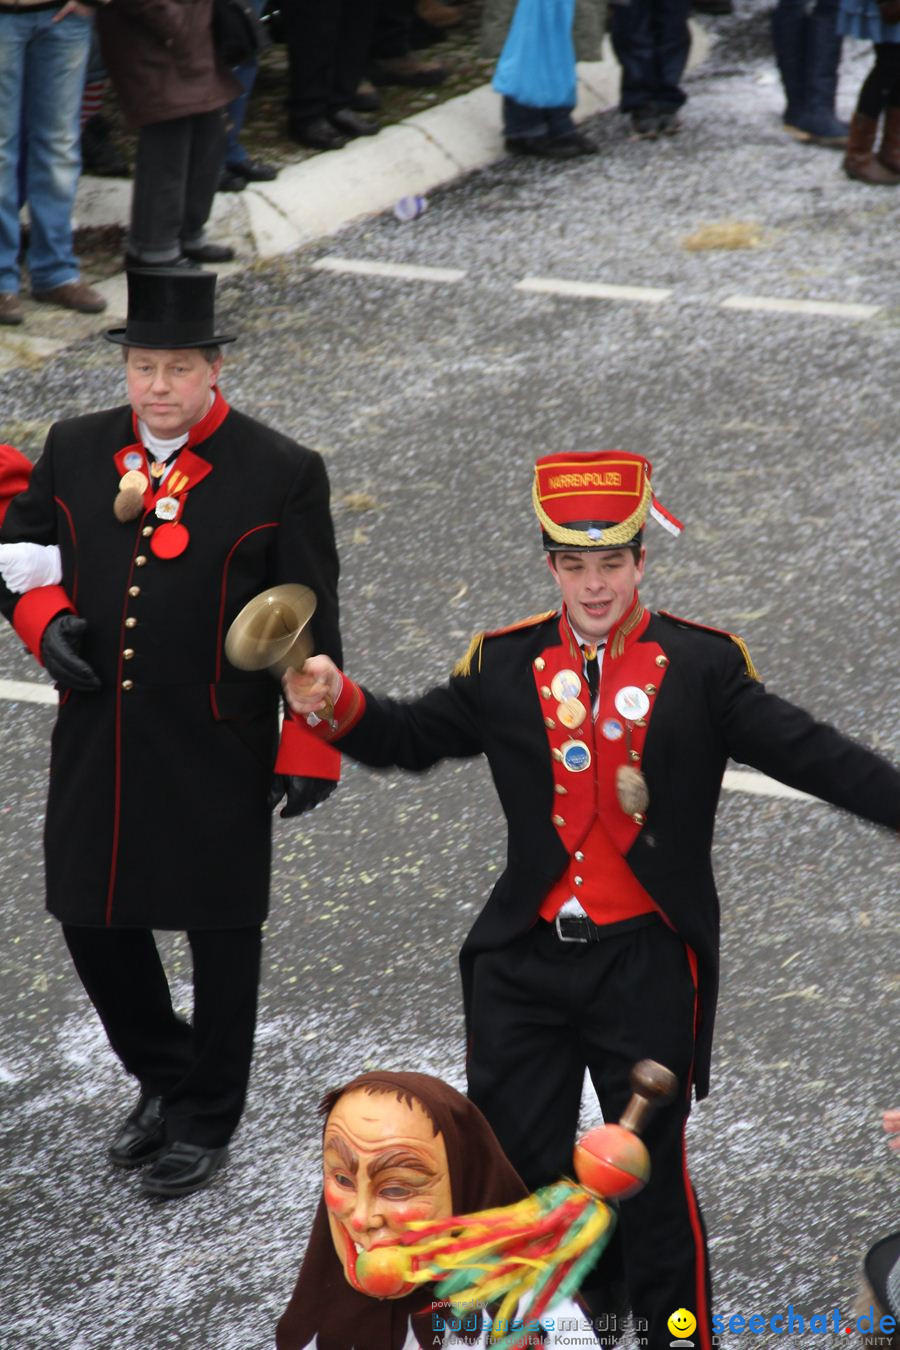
705,707
158,810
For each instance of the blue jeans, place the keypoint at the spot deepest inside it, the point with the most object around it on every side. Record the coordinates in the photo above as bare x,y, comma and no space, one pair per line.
521,121
42,67
235,153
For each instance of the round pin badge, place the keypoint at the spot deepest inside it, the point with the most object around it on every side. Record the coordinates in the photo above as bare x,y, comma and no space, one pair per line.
133,481
166,508
576,756
571,713
170,540
612,729
631,703
565,684
134,460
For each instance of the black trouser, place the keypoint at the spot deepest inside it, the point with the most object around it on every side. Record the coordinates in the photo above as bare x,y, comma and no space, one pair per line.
393,28
176,173
202,1070
881,87
328,46
542,1012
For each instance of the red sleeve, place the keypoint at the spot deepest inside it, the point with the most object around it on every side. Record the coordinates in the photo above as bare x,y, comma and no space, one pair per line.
34,611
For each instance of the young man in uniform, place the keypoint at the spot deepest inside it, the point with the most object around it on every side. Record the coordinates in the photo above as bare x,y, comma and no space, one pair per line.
144,530
607,729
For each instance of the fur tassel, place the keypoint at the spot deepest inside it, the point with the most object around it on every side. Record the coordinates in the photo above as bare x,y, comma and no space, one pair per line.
128,505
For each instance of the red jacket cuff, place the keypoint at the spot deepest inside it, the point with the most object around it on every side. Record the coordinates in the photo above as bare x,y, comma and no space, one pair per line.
303,755
34,611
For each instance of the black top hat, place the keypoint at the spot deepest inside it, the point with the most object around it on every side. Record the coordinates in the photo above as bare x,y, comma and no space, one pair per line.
170,307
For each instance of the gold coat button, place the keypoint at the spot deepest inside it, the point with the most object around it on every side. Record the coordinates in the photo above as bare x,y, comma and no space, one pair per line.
549,723
578,855
634,754
147,531
557,755
639,818
128,653
662,661
131,623
545,691
579,881
558,820
558,788
650,689
127,684
140,560
134,591
539,663
639,722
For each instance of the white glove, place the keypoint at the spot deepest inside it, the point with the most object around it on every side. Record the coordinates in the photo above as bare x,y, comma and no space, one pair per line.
25,566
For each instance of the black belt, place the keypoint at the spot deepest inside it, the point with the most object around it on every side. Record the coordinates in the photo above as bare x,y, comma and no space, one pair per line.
571,929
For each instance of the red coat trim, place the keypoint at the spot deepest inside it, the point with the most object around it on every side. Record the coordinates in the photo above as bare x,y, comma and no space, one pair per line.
15,471
34,612
348,710
303,754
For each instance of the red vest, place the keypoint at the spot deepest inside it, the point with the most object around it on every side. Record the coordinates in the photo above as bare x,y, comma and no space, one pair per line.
595,830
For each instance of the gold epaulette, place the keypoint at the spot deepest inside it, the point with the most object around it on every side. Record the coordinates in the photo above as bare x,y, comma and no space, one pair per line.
464,664
718,632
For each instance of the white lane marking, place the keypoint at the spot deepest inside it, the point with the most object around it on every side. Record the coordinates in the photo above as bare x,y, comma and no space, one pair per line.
400,271
828,308
758,784
592,290
27,691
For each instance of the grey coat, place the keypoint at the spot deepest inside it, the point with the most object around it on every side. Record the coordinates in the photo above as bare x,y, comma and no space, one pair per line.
590,20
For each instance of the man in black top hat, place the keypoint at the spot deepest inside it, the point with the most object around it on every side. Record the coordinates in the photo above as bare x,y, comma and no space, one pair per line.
159,520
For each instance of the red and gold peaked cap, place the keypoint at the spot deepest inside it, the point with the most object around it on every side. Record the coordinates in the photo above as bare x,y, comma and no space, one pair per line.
595,499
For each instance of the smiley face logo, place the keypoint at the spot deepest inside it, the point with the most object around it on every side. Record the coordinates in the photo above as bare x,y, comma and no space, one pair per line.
682,1323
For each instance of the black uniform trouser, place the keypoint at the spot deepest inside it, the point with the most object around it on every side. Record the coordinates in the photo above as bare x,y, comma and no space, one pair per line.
200,1070
328,46
542,1011
176,173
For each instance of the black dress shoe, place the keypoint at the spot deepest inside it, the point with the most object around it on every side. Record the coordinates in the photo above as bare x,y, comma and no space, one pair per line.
645,123
230,182
253,171
581,144
134,260
349,123
208,253
546,147
318,134
182,1169
142,1136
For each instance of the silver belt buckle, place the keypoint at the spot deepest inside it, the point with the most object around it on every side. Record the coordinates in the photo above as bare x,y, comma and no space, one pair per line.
559,933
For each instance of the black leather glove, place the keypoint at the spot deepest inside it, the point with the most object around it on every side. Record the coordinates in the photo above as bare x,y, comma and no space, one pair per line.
61,654
303,794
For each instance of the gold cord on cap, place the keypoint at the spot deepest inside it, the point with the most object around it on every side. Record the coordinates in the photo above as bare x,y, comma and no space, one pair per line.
613,536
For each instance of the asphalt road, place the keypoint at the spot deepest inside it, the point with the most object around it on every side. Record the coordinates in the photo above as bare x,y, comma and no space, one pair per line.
774,436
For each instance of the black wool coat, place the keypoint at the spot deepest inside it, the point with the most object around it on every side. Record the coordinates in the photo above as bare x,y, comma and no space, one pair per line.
158,809
707,709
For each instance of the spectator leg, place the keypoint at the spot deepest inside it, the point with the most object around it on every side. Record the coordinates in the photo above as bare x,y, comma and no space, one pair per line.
56,60
632,41
789,25
672,45
207,155
14,30
160,190
354,44
311,33
235,154
393,28
521,122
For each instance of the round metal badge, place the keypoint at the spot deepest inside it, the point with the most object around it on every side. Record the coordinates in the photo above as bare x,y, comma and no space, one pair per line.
166,508
134,460
565,684
632,703
612,729
576,756
571,714
134,481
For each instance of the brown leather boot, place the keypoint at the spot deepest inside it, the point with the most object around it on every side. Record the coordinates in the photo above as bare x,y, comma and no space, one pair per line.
889,154
859,161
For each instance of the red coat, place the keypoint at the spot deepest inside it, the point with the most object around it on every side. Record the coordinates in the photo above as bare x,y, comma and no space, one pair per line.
161,60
